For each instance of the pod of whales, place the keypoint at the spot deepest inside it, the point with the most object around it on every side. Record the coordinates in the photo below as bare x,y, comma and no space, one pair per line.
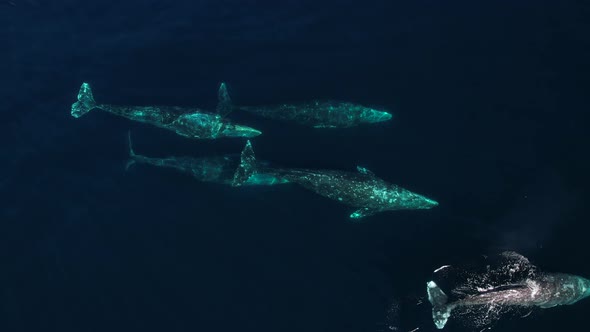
362,190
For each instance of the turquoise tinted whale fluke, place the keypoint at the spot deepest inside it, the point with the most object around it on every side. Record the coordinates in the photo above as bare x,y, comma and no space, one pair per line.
316,113
189,122
361,190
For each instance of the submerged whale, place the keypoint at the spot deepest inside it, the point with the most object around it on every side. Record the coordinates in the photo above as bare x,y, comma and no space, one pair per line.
216,169
316,113
542,290
361,189
185,121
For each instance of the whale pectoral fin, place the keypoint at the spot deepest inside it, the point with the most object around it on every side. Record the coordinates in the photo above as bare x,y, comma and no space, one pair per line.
324,126
362,212
363,170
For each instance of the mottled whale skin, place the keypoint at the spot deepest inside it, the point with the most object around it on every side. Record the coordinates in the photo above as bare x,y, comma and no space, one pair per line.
185,121
316,113
544,291
216,169
362,189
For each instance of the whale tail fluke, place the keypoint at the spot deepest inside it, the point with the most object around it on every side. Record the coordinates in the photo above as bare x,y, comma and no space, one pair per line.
441,311
85,101
131,160
247,166
224,103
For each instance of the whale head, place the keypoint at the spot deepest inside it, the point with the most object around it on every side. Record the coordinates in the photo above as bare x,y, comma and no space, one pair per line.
405,199
235,130
370,115
417,201
584,285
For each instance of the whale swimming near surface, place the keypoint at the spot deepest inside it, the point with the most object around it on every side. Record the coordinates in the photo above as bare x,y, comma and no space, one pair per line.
216,169
362,189
542,290
189,122
316,113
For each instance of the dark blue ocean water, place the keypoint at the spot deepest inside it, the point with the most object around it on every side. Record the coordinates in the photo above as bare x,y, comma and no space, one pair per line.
490,103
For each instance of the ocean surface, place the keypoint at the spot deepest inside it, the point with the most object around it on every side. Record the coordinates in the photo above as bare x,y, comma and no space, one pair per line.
491,113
